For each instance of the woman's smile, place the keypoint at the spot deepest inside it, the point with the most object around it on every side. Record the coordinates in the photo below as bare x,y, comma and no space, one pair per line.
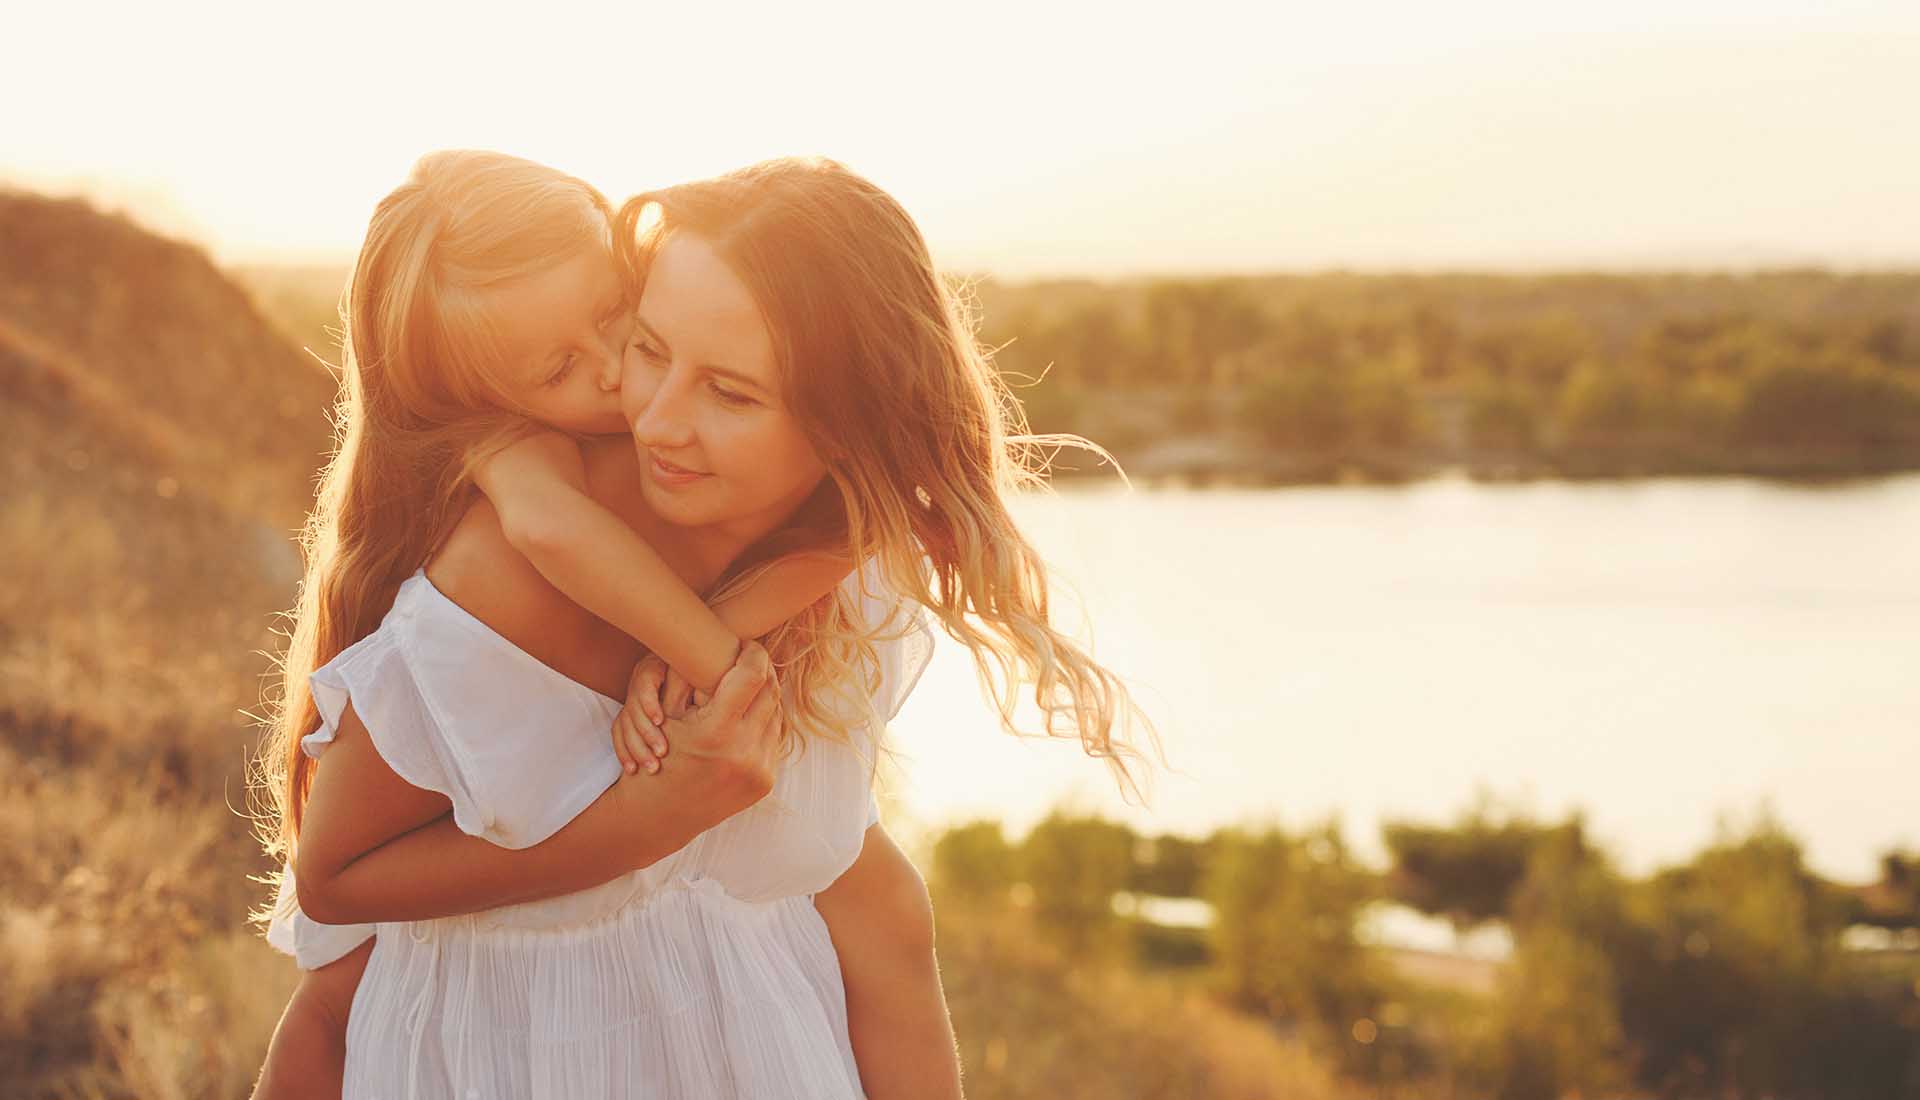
669,475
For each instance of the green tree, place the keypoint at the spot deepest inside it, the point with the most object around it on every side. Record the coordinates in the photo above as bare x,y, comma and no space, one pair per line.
1724,987
1468,872
1558,1028
1075,865
1284,930
1848,404
1305,407
1200,332
1538,352
1502,415
1383,409
1600,407
973,862
1175,866
1894,901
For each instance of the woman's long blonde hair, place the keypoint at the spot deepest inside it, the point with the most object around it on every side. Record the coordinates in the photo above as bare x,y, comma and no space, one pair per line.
422,391
922,439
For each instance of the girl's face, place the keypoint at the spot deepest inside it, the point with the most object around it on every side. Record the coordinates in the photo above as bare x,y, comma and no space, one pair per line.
563,331
701,390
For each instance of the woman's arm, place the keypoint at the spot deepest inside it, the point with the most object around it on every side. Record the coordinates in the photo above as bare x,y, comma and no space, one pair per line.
881,923
538,486
375,848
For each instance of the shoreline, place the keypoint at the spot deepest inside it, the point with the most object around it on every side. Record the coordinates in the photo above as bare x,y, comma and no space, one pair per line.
1200,461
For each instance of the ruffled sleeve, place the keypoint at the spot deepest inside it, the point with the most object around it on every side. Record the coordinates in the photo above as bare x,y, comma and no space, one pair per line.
904,647
374,677
905,639
517,748
312,944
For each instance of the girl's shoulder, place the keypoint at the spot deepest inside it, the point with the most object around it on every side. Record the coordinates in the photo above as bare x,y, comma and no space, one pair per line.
481,572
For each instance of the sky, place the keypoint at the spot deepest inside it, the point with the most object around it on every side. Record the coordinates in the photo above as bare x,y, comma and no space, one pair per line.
1031,139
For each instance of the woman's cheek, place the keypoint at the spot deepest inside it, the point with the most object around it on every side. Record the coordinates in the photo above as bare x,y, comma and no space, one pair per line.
765,452
787,453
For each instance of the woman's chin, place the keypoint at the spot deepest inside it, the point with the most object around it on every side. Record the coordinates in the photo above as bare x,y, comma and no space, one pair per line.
675,504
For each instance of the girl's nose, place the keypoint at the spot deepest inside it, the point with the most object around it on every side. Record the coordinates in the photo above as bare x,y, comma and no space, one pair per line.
609,377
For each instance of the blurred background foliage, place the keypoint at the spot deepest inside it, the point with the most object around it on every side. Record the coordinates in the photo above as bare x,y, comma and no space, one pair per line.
1315,377
160,434
1737,973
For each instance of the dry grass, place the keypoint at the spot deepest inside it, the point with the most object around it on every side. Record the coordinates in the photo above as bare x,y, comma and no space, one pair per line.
158,440
1034,1023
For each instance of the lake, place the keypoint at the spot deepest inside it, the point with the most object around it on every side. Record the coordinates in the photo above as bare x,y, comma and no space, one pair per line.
1661,654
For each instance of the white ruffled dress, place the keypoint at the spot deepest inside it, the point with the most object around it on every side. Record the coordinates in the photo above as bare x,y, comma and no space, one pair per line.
706,976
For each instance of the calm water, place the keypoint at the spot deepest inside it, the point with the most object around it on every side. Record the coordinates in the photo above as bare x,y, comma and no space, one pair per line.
1660,653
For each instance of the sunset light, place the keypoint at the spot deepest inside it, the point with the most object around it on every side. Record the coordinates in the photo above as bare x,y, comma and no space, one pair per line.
1015,550
1033,139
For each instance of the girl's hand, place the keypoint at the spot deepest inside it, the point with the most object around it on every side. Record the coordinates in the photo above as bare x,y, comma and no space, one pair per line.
659,691
679,696
637,742
637,739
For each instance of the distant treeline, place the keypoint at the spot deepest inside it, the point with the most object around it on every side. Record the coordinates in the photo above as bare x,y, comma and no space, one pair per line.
1727,975
1319,376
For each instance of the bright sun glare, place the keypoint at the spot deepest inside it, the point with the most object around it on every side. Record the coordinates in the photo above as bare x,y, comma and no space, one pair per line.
1035,139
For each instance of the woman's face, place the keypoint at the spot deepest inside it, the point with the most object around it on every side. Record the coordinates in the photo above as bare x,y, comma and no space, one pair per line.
702,392
563,332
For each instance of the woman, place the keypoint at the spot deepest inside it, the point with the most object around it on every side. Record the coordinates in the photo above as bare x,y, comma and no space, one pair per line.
812,294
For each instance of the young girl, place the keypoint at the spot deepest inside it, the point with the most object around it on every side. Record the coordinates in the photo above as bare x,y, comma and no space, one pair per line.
486,295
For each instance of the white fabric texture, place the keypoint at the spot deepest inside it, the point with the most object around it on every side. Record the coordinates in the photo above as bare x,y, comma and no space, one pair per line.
706,976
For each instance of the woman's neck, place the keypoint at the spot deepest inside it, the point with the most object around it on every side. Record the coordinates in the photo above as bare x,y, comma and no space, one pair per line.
699,555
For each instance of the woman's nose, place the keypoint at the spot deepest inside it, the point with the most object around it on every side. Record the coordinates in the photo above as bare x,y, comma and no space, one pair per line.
660,423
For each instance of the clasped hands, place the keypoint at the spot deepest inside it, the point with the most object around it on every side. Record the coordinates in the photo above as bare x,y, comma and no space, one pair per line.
736,730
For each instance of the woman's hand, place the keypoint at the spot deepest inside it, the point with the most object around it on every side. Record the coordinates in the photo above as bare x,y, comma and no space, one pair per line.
736,732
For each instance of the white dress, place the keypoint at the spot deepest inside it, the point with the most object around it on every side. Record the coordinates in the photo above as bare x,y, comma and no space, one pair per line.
706,976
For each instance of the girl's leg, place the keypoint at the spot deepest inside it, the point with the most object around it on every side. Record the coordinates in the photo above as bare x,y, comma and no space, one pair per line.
308,1055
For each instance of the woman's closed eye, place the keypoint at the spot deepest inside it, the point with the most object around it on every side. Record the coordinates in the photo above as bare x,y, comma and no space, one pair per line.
566,368
647,348
732,399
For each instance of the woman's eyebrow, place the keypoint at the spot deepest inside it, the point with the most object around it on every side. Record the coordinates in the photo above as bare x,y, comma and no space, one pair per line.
652,334
710,368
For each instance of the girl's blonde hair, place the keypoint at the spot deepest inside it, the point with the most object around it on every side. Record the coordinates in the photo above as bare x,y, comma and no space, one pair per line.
922,440
422,391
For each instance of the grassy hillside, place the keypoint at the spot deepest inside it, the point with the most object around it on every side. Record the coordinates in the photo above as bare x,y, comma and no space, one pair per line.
160,437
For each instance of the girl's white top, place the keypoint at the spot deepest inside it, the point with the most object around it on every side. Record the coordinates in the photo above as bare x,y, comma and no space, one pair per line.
705,976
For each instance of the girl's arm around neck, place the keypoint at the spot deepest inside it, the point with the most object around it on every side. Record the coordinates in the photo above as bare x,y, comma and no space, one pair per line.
788,586
538,486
